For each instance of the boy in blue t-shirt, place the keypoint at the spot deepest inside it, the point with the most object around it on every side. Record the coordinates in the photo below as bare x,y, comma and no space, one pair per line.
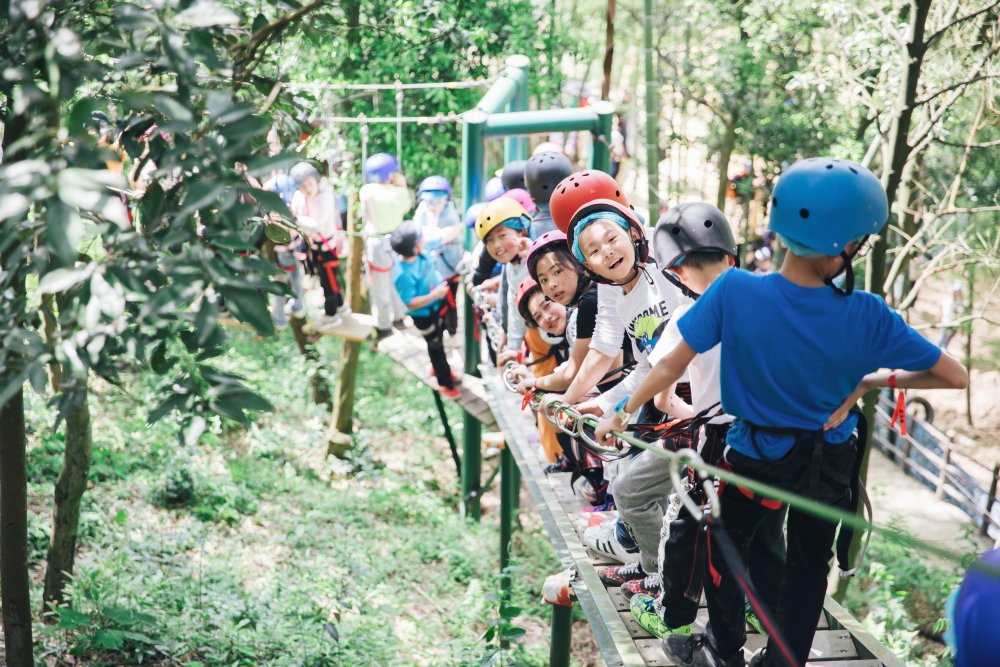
794,426
422,290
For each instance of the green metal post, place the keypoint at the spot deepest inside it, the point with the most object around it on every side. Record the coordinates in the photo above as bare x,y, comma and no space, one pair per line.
506,87
515,478
652,125
600,154
507,468
472,187
516,147
562,636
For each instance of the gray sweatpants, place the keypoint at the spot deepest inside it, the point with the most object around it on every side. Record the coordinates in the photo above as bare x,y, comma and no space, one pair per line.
640,490
385,302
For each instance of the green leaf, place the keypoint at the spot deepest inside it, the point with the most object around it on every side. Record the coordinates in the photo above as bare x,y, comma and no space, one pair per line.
259,22
263,166
245,400
71,619
250,307
510,612
120,517
277,234
200,195
138,637
490,633
119,615
80,117
109,639
513,633
61,280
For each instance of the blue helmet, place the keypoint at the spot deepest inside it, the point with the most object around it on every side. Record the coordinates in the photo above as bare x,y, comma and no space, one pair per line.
822,204
494,188
435,184
976,640
379,166
301,171
472,214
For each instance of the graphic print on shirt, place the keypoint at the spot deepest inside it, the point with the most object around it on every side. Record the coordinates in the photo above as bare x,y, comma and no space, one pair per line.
648,326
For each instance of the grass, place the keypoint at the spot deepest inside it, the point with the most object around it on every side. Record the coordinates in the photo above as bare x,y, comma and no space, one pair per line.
248,548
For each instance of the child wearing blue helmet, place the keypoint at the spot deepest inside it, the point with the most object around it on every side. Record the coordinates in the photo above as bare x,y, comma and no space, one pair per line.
385,200
441,228
794,425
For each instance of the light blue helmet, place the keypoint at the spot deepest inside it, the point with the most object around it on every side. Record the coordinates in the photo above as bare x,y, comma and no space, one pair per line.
494,188
822,204
435,184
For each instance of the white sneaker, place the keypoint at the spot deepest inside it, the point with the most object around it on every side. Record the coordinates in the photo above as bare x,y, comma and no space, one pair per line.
329,323
343,311
603,540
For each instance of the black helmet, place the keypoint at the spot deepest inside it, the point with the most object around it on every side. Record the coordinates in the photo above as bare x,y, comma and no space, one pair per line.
513,174
544,172
689,228
404,238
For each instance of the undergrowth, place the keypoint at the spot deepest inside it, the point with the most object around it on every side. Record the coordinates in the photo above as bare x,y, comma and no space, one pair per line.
250,548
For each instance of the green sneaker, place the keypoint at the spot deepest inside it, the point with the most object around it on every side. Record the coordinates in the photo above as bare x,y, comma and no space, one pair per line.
644,612
753,620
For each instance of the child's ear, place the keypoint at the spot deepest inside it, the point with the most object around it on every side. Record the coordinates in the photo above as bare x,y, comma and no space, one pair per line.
732,261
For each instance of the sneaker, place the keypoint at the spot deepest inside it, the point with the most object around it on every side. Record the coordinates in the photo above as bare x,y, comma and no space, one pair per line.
695,651
645,613
456,378
649,585
400,324
604,541
382,333
616,575
562,464
344,311
452,393
607,506
753,620
328,323
757,659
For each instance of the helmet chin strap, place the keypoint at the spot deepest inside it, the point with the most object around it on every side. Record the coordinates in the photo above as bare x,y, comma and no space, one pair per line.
685,290
847,268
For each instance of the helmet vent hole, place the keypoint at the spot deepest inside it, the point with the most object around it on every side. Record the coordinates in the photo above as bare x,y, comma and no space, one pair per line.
829,166
545,186
803,213
775,200
675,230
853,170
576,184
618,193
708,223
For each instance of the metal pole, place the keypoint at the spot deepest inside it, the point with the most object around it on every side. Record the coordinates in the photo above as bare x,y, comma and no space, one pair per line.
399,124
652,126
472,187
516,147
600,154
562,636
507,468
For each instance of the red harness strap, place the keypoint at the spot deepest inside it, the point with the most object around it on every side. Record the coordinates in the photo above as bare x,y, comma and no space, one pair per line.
331,276
899,414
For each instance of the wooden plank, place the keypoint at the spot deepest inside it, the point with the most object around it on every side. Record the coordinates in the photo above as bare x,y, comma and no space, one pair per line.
827,645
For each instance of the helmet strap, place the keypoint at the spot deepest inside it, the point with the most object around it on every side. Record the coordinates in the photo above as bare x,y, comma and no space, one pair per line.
685,290
846,268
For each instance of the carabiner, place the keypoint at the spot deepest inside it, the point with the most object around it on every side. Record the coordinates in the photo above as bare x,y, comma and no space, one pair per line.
680,488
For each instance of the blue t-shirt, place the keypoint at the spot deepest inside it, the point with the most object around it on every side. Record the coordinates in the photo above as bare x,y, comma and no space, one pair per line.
417,278
792,354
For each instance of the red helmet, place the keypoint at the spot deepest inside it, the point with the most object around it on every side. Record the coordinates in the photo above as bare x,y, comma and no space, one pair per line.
587,192
524,292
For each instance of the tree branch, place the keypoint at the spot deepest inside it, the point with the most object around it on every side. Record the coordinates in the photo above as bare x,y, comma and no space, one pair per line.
942,91
961,19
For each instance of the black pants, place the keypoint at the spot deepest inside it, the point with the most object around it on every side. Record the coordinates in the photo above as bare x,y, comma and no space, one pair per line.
683,551
451,315
432,329
810,548
327,266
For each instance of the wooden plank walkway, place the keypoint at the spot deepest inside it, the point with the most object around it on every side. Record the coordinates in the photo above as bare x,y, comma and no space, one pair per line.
407,348
840,639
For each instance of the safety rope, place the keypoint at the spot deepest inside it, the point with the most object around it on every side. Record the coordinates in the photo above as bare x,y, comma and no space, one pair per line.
799,502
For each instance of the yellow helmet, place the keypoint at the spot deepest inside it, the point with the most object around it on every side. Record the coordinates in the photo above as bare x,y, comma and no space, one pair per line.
497,212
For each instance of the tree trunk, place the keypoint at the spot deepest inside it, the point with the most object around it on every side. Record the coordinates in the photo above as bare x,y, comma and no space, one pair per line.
892,177
725,154
307,346
609,49
14,535
70,487
342,425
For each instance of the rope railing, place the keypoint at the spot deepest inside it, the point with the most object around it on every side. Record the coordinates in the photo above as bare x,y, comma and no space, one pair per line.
536,400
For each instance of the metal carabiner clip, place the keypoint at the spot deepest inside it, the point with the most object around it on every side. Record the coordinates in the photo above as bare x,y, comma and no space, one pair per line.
566,411
681,489
548,411
592,422
508,377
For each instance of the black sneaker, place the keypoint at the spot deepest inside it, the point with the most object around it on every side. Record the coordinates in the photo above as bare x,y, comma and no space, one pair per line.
695,651
561,465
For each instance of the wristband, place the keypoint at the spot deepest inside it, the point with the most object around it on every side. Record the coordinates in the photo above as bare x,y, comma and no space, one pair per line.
892,380
620,414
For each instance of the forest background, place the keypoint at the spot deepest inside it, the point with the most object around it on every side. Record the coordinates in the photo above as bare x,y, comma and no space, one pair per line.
190,522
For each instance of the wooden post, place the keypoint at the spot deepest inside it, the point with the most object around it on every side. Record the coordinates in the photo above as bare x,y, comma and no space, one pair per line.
990,499
943,474
338,439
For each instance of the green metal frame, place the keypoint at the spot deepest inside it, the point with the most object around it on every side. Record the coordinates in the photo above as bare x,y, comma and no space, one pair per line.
485,122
